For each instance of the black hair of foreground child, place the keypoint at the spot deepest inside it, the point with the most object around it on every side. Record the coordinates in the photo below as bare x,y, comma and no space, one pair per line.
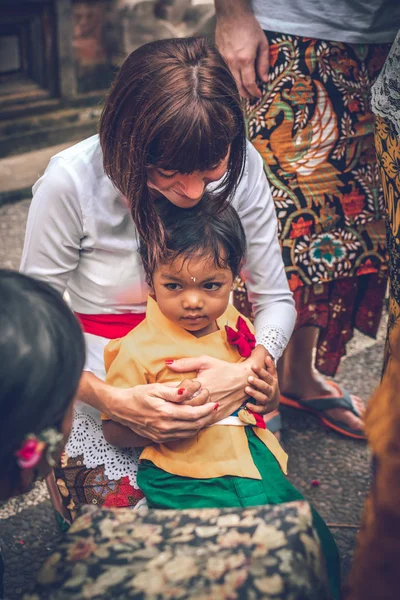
42,354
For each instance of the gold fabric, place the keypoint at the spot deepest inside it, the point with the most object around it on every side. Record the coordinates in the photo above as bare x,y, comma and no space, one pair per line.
375,572
139,358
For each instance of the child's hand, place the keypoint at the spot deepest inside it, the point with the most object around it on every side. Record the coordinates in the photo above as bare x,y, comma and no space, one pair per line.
264,387
192,393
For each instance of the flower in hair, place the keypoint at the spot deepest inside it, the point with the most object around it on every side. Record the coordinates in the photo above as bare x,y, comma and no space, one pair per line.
33,447
242,338
30,452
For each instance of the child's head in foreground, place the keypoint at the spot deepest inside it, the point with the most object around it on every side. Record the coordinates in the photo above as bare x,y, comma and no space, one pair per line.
204,253
42,355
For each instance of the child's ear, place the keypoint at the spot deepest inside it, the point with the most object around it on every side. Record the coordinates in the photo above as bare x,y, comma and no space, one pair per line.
151,290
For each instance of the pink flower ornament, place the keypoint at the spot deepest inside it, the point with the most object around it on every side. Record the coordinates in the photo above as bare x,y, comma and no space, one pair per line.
30,453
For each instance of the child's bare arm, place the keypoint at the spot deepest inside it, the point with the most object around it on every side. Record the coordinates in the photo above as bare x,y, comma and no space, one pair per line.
123,437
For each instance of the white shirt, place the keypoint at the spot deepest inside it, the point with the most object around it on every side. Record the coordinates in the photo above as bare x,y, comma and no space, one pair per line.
349,21
81,239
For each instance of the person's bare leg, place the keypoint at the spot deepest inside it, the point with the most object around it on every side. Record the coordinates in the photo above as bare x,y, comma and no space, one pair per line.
298,377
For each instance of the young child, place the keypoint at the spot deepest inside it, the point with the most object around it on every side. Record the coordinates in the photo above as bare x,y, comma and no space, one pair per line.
42,354
236,462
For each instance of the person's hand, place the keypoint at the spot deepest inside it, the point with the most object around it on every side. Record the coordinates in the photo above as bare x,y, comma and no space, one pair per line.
244,46
228,383
263,387
158,411
225,381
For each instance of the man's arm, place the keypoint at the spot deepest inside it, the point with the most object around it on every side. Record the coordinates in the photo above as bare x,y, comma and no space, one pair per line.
243,44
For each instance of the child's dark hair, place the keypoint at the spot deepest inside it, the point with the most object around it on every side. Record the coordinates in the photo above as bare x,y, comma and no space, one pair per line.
42,354
196,232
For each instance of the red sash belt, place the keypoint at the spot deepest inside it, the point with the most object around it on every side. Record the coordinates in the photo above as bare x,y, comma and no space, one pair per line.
110,326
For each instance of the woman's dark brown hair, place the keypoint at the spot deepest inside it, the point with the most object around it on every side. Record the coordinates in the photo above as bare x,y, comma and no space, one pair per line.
174,105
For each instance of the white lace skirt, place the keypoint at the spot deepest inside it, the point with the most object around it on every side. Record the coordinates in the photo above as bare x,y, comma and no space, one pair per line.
86,438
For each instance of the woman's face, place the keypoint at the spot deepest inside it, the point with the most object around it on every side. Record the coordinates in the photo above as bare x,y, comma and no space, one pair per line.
187,190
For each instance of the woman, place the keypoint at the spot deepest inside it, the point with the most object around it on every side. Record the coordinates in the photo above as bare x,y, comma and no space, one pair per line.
307,69
171,126
376,560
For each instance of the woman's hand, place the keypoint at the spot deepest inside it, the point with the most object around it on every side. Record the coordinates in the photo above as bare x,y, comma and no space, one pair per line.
159,412
226,381
229,384
156,411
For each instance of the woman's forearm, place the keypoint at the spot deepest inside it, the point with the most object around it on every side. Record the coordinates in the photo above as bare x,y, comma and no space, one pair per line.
95,392
155,411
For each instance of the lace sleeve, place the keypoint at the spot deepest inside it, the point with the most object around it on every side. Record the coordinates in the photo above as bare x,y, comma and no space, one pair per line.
386,90
273,339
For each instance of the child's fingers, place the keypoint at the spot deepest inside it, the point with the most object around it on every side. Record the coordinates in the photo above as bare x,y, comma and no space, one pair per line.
257,408
184,390
270,364
262,410
260,385
200,397
264,375
261,394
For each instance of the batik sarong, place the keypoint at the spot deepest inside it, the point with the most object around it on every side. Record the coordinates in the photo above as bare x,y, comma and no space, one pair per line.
313,127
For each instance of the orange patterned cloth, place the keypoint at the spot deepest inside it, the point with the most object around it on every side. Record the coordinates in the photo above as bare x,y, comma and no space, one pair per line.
375,571
313,127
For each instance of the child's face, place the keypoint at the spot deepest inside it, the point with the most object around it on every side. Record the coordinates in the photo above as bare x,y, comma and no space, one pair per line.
193,293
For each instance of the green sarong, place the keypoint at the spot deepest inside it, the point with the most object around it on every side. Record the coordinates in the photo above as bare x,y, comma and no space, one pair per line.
163,490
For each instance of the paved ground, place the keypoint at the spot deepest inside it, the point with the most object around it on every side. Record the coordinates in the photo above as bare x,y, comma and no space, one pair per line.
27,528
29,165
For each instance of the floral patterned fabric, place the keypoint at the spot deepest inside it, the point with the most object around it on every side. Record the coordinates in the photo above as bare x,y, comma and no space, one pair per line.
79,485
375,572
261,552
336,308
388,152
313,127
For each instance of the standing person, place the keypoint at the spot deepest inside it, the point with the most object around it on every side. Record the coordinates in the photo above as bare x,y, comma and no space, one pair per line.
306,69
172,126
376,560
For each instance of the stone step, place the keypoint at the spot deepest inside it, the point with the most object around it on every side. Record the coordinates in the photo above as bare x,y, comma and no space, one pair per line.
18,173
41,130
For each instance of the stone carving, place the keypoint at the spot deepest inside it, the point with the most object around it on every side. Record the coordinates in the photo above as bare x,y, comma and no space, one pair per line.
149,20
